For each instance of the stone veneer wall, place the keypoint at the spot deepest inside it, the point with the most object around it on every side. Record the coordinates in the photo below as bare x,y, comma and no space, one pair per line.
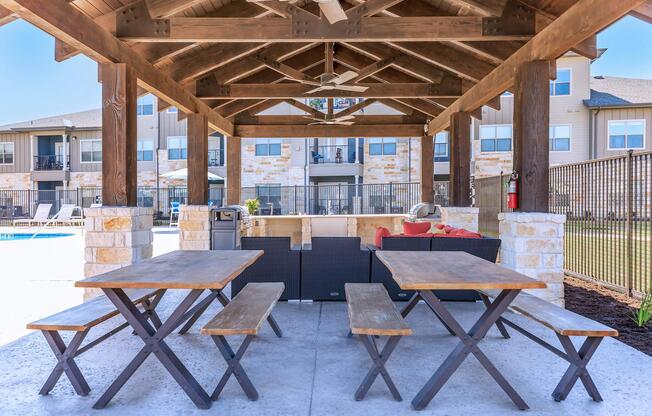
194,227
115,237
394,168
15,181
460,217
533,244
490,163
278,170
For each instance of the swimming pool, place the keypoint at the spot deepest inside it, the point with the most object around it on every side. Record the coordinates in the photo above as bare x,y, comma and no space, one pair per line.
27,236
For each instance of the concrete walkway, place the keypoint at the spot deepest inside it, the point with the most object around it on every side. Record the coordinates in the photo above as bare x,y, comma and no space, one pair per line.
315,369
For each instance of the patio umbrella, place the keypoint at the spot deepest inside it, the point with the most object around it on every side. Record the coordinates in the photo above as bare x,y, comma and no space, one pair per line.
182,174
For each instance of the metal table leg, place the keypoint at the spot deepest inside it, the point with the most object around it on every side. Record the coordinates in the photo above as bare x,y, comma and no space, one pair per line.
468,345
414,301
154,340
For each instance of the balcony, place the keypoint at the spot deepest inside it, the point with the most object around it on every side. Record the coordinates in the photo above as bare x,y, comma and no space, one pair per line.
332,154
215,158
51,162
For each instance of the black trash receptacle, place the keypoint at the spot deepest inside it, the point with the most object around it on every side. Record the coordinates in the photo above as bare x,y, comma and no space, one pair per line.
329,263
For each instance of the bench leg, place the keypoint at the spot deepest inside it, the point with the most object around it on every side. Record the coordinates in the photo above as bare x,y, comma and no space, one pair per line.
577,369
234,367
65,362
277,329
499,322
379,359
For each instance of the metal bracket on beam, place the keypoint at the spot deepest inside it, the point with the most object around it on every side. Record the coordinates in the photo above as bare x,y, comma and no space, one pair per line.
135,21
517,19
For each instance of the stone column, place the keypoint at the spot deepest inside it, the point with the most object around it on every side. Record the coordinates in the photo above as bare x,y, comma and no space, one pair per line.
460,217
115,237
533,244
194,227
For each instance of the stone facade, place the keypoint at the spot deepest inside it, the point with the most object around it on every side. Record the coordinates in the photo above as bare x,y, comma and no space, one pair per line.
194,227
115,237
402,167
277,170
460,217
533,244
15,181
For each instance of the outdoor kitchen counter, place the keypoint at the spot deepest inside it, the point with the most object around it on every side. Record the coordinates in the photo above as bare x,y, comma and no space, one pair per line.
301,228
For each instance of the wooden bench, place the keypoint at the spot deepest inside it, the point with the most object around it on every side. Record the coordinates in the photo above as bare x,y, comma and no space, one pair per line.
244,315
565,324
81,319
372,313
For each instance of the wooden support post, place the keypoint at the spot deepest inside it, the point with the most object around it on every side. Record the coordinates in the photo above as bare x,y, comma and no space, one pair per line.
119,168
460,160
427,169
531,124
233,170
197,159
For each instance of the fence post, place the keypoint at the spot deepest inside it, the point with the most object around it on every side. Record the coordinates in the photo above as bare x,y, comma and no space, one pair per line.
629,183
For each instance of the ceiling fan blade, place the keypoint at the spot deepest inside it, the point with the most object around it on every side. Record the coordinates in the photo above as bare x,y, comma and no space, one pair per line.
355,88
332,10
316,90
313,118
343,118
345,123
345,77
305,81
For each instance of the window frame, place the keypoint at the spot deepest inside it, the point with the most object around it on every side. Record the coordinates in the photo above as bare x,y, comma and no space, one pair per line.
553,83
138,105
81,151
268,142
167,142
382,141
138,151
635,120
434,150
267,187
570,137
3,153
495,126
172,110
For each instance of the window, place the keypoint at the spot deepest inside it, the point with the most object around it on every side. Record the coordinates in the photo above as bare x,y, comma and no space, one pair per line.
506,94
214,156
268,147
7,153
145,151
177,148
441,145
145,106
496,138
172,110
560,138
384,146
91,150
626,134
269,194
561,85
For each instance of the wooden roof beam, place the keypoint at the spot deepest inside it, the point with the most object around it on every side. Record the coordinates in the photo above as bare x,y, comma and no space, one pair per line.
72,26
319,130
580,21
137,26
643,12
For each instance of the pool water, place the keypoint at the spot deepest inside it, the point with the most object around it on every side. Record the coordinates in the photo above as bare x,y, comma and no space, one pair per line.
27,236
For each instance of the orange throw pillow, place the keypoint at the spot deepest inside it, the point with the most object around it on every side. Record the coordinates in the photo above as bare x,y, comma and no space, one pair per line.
380,233
414,228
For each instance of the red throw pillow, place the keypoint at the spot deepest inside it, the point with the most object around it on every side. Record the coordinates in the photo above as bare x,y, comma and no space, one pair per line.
414,228
455,231
440,226
468,234
380,233
426,235
448,228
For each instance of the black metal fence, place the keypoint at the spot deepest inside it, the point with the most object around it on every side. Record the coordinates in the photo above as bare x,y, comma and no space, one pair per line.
607,203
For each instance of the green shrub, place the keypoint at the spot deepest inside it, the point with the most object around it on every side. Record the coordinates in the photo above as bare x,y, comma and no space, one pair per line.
253,205
643,314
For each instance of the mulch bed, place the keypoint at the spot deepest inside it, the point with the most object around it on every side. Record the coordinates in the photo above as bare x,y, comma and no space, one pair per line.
609,307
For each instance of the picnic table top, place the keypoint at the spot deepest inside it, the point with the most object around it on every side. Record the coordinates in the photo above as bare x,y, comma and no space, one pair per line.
451,270
178,270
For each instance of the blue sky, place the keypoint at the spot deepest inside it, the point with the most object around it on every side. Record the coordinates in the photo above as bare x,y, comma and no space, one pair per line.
34,85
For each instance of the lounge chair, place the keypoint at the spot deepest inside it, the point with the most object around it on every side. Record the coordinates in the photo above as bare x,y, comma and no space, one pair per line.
66,217
40,216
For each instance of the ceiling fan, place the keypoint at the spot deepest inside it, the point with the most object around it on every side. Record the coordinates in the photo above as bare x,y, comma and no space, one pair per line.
330,120
329,81
332,9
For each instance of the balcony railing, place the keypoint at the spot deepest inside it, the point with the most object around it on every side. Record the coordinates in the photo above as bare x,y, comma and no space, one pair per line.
332,154
214,158
50,162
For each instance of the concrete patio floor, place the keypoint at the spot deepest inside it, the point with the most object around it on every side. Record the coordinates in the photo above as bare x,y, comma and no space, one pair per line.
315,369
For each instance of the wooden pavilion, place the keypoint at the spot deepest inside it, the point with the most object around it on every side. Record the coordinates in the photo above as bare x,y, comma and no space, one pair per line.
222,62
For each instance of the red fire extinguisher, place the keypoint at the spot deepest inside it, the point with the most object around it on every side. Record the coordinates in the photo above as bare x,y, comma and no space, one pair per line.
512,191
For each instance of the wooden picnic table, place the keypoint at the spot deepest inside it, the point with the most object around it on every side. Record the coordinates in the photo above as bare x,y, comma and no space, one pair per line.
427,271
194,270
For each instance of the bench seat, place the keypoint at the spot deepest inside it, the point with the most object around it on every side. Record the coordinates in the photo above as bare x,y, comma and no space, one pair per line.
372,312
245,314
88,314
556,318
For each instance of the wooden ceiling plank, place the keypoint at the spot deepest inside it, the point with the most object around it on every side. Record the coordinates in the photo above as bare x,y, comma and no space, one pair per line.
72,26
579,22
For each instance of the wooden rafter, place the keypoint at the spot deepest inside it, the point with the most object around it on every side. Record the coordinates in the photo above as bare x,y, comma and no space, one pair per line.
302,131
